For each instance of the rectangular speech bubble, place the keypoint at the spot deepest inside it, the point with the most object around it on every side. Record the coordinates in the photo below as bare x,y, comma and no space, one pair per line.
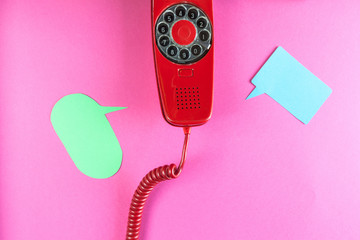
290,84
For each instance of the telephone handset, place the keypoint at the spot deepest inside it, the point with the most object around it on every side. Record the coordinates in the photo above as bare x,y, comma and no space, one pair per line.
182,35
184,59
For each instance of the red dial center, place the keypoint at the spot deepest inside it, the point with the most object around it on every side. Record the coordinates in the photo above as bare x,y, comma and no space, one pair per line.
183,32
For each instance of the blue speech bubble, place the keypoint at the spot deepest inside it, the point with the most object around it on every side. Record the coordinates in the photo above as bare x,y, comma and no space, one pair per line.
289,83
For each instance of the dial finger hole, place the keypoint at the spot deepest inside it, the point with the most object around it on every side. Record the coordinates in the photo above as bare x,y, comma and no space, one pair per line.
184,54
196,50
201,22
169,17
204,35
180,11
193,13
164,41
172,51
163,28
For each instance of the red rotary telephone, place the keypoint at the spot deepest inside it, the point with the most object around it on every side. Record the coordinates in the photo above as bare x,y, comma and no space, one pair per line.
182,34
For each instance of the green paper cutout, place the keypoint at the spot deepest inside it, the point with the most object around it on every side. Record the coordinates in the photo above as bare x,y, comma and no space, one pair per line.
87,135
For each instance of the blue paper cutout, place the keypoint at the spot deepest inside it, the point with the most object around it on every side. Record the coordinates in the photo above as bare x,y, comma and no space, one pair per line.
289,83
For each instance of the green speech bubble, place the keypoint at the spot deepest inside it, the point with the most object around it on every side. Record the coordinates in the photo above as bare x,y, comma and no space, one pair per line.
87,135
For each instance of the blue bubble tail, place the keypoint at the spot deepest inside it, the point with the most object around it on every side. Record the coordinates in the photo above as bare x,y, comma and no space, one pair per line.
256,92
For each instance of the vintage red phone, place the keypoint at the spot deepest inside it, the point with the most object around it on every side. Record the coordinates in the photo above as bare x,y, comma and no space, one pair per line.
182,35
183,38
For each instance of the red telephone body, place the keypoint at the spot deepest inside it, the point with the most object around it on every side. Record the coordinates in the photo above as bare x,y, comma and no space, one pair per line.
185,86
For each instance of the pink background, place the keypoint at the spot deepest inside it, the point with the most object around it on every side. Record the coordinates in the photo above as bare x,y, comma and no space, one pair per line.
253,171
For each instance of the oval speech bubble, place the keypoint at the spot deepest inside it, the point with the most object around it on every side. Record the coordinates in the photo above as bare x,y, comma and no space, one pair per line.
87,135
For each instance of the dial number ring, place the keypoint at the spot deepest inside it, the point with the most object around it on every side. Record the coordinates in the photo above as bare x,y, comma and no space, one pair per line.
184,53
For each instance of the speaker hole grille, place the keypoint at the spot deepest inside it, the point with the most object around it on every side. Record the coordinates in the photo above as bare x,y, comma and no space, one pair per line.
188,98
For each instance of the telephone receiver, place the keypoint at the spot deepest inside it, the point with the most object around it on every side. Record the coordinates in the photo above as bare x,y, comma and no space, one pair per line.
183,41
182,36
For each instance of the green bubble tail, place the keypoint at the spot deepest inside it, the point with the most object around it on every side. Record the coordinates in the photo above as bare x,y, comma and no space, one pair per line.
256,92
106,110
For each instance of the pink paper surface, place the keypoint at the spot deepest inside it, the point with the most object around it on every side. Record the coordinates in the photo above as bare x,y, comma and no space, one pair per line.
253,171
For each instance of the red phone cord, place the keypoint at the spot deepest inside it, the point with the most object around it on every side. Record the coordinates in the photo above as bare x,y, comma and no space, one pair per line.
145,187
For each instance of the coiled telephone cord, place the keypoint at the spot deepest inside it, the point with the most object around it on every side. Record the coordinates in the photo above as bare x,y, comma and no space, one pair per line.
145,187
